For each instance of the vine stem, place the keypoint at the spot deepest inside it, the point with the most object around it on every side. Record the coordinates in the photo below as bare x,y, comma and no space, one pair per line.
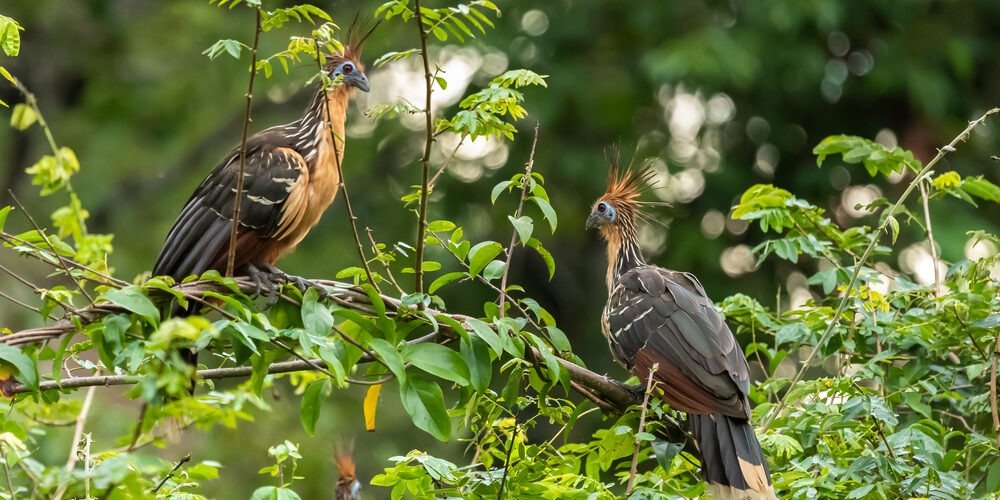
426,160
831,326
525,182
343,181
237,202
642,425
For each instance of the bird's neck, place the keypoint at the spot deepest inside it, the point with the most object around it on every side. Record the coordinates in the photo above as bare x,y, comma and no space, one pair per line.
624,254
327,113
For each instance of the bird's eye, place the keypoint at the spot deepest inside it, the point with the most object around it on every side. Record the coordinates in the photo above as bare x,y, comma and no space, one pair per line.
602,208
347,68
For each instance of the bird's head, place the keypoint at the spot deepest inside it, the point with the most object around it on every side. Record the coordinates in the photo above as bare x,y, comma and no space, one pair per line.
618,210
346,65
348,486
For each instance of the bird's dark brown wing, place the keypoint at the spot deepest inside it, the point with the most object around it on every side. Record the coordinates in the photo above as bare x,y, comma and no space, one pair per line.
273,177
657,316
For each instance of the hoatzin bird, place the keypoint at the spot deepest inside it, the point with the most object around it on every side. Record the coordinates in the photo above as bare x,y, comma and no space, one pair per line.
290,178
661,321
348,486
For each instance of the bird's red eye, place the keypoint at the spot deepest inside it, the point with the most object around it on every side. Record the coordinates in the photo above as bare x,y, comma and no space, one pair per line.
348,68
602,207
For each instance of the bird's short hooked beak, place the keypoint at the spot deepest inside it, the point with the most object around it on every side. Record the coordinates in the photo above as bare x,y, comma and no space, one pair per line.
593,221
359,80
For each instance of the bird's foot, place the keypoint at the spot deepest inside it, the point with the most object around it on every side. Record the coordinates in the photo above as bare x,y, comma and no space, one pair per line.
265,281
637,391
275,278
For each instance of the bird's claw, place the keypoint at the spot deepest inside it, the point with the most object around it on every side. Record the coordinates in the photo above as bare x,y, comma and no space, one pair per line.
272,278
265,281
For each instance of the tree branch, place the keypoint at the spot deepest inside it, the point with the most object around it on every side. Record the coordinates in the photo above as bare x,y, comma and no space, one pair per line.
426,160
238,201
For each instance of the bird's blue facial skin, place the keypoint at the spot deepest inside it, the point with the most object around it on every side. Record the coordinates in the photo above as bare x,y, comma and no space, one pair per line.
602,214
351,74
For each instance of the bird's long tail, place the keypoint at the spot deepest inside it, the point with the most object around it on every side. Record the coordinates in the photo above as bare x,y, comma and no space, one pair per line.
732,462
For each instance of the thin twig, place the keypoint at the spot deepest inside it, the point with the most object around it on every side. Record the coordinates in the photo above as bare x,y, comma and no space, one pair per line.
642,425
238,200
385,265
426,160
343,181
74,456
185,459
36,289
447,161
938,286
108,279
832,325
45,237
525,182
506,462
26,305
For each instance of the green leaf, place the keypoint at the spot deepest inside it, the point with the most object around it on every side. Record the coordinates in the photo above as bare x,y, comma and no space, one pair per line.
981,188
547,211
524,226
390,356
494,270
476,354
23,116
312,401
444,280
550,262
424,402
993,477
27,370
439,361
482,254
665,453
4,212
131,298
316,317
10,36
274,493
485,332
498,189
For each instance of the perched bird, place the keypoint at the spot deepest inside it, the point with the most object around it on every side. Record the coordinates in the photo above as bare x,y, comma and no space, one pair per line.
290,178
348,486
660,322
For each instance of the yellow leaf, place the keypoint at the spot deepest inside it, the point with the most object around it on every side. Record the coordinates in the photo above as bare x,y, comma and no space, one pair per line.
371,404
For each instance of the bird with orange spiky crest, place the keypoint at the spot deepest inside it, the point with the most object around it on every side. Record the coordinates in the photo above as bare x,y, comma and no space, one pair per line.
290,176
661,324
348,486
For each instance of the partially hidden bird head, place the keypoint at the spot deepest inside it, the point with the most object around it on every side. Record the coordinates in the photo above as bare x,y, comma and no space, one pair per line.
617,211
348,486
346,64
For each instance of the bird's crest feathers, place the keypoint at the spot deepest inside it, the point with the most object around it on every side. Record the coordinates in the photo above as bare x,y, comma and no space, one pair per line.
343,456
626,185
357,35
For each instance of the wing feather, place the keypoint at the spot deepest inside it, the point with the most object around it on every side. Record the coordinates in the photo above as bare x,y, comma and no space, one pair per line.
665,317
199,238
